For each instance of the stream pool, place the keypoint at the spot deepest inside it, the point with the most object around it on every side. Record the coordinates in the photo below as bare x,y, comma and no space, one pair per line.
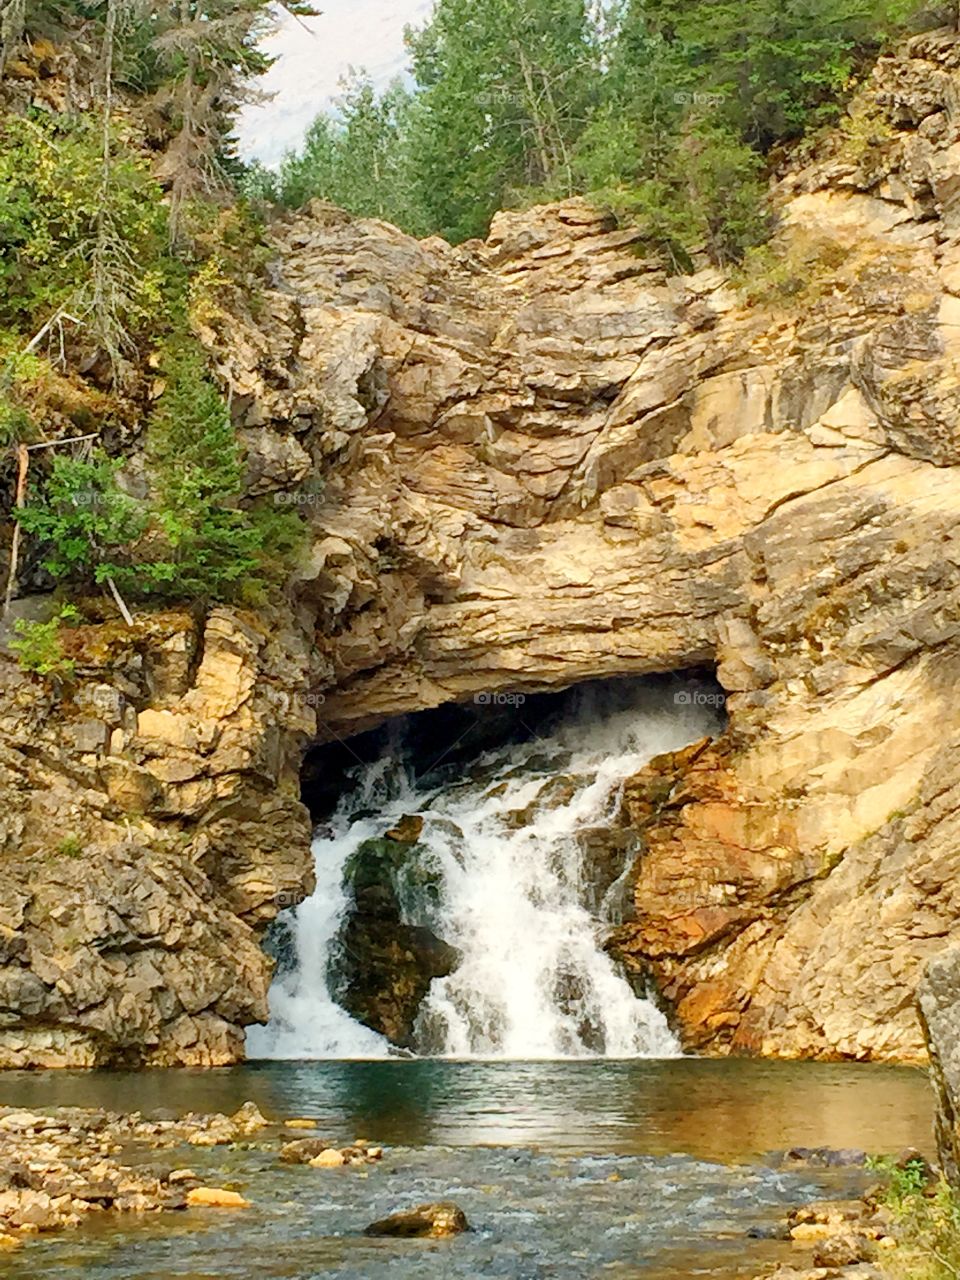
569,1170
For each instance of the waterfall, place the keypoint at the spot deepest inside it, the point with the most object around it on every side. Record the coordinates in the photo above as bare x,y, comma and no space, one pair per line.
502,840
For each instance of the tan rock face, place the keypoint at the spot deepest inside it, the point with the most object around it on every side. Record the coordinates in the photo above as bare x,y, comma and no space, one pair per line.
550,462
139,865
536,461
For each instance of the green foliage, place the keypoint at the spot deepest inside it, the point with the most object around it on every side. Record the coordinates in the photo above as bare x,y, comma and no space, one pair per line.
661,109
774,68
38,648
208,546
358,160
505,88
52,202
192,539
695,94
70,847
926,1221
115,243
773,275
20,368
88,527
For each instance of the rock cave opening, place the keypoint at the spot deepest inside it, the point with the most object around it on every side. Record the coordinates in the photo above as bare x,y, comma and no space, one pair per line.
471,861
439,741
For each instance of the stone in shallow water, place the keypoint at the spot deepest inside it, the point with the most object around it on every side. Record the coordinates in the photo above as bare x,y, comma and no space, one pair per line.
303,1150
249,1119
442,1219
328,1159
843,1250
216,1198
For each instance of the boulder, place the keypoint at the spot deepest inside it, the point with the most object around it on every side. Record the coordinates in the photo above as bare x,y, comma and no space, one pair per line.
385,963
434,1220
938,1002
844,1249
302,1150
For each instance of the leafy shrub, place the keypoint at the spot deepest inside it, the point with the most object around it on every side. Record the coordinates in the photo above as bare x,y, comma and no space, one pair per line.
797,273
38,648
926,1221
211,547
53,203
88,527
191,539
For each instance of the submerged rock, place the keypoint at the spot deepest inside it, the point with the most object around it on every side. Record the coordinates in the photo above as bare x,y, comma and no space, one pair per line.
322,1154
441,1219
303,1150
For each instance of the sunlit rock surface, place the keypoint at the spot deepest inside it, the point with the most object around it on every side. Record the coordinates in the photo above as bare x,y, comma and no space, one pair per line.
538,460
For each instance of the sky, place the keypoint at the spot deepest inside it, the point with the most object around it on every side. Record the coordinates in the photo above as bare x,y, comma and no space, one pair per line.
312,54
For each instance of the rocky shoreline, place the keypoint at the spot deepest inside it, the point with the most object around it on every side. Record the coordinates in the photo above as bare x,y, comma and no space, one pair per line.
66,1163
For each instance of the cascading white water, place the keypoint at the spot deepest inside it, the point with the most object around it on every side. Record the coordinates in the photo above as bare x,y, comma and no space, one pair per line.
502,840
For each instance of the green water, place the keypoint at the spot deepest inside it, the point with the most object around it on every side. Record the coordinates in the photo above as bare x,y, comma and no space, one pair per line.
727,1109
567,1170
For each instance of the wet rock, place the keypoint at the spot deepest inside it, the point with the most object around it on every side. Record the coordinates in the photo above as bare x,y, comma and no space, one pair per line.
774,1231
58,1167
407,830
831,1211
328,1159
435,1220
321,1154
20,1121
385,965
303,1150
821,1157
843,1250
216,1198
249,1119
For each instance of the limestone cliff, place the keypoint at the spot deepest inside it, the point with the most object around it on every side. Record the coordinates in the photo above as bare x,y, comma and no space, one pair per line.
541,459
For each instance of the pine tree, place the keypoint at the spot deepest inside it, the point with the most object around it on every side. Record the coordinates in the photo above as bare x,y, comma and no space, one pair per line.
358,159
208,545
505,89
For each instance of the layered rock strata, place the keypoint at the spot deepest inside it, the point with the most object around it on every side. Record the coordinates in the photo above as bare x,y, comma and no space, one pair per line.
538,460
